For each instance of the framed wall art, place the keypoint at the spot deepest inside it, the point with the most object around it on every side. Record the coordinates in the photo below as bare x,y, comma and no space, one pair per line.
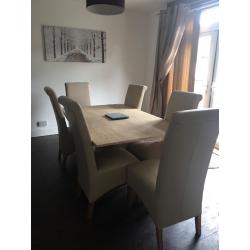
74,45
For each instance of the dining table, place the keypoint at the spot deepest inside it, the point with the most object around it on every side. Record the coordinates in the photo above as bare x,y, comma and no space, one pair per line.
138,126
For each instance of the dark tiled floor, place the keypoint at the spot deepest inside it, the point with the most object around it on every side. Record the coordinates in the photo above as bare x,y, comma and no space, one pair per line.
58,212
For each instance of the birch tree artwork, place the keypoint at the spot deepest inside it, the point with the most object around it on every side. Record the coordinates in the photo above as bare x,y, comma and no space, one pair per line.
74,45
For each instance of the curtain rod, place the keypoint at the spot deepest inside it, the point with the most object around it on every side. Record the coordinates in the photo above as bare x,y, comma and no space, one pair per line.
194,5
194,2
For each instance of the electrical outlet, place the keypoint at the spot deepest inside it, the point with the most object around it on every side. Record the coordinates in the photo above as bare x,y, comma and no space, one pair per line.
41,124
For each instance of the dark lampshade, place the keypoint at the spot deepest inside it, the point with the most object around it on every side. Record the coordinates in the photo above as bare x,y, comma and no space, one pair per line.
105,7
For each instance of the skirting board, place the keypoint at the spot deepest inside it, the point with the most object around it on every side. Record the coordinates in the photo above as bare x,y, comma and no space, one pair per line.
43,132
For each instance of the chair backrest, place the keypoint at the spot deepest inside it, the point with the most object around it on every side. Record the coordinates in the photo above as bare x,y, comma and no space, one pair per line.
79,92
135,95
61,123
84,152
186,153
181,100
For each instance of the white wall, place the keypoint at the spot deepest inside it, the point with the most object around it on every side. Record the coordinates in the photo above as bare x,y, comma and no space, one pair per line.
130,56
153,23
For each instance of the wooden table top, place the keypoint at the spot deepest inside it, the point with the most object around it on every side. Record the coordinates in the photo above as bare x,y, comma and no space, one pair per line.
140,125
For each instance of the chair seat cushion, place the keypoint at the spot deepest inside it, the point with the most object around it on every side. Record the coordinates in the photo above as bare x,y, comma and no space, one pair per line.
142,178
146,149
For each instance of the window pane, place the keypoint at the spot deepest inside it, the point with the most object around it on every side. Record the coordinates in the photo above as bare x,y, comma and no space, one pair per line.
202,67
203,58
209,17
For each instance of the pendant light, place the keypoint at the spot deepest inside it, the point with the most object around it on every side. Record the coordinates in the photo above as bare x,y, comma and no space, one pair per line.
105,7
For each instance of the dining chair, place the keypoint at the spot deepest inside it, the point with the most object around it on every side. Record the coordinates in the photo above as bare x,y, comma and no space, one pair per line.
179,100
66,145
135,95
79,92
171,187
101,170
182,100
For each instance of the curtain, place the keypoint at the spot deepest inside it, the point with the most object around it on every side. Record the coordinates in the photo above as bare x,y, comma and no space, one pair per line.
182,72
178,32
171,29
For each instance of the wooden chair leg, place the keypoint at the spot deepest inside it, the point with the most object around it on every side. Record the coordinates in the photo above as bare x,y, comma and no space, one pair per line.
64,160
131,196
159,238
90,210
59,155
198,225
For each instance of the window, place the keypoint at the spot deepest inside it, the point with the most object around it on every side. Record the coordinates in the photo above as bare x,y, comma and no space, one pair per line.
207,66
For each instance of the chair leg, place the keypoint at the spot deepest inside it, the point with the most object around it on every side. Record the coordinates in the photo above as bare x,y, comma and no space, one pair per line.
159,238
131,196
59,155
90,210
64,160
198,225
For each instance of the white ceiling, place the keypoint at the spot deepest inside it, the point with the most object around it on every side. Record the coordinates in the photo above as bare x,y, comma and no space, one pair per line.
148,6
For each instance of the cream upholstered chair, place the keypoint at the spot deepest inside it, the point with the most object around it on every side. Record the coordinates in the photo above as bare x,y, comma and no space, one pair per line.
179,100
99,171
135,95
171,187
79,92
182,100
66,145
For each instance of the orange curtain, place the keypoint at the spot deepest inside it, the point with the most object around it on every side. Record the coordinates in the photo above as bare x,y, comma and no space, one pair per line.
182,72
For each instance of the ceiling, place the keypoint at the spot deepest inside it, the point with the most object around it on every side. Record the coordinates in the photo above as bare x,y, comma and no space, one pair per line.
148,6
